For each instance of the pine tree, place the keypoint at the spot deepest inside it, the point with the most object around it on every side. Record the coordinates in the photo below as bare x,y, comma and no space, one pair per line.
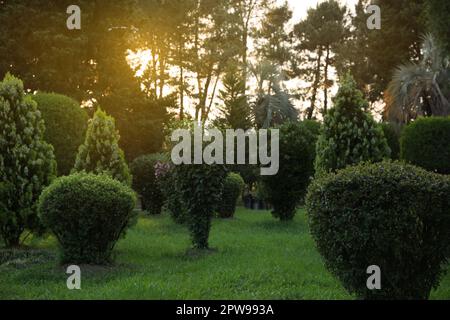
100,152
236,111
27,162
349,135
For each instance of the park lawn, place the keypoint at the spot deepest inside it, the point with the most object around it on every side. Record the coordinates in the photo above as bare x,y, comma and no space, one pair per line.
256,257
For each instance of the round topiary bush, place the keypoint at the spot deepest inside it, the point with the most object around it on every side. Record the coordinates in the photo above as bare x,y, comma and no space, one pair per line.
87,214
145,182
232,188
287,188
426,143
391,215
349,134
65,127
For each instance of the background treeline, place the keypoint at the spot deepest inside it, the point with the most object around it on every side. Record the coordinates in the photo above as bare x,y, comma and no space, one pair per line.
225,59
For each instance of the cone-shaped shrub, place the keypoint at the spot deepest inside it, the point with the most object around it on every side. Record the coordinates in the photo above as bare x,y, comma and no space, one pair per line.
100,153
349,134
27,162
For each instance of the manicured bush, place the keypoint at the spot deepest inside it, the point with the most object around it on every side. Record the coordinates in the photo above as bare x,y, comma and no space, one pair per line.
165,174
145,182
199,187
27,162
387,214
232,189
100,152
287,188
392,134
349,134
88,214
313,126
426,143
65,127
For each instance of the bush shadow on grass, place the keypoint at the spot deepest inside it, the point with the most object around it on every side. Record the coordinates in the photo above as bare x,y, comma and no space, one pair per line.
295,226
195,254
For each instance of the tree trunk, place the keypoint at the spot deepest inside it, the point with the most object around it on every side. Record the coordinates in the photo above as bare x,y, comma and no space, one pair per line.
325,86
315,86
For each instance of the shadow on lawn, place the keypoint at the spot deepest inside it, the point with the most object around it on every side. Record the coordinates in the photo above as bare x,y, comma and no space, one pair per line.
276,226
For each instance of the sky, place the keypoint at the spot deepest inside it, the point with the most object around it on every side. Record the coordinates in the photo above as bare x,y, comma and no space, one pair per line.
300,7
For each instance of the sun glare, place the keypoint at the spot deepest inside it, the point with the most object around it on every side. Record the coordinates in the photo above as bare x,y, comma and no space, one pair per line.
139,60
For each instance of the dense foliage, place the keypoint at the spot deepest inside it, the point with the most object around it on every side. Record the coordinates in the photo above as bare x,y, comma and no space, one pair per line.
438,12
387,214
200,188
65,127
100,152
232,189
392,133
349,134
287,188
145,182
27,162
426,143
87,214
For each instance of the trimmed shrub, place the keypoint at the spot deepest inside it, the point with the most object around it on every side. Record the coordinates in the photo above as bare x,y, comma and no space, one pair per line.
200,189
349,134
87,213
313,126
27,162
392,135
387,214
426,143
232,188
100,152
65,127
145,182
165,175
287,188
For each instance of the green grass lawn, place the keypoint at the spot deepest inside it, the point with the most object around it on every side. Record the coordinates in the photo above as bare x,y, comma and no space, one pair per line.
257,257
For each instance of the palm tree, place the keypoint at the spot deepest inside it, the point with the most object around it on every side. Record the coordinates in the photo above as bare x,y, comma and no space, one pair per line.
418,89
273,105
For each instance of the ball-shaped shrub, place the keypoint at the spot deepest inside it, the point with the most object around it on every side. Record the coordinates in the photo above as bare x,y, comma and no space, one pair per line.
391,215
287,188
426,143
232,188
65,127
145,182
87,214
349,134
